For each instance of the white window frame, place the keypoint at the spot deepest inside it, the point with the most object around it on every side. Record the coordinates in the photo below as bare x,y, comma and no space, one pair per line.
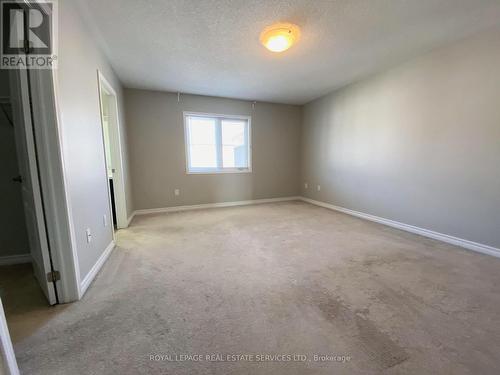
219,117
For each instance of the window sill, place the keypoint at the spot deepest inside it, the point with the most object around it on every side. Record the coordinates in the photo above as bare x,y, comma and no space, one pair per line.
220,171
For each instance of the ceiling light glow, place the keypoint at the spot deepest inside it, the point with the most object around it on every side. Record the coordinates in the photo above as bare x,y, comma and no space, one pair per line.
280,37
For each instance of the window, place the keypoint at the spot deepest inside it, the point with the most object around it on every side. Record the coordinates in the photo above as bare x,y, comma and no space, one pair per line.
217,143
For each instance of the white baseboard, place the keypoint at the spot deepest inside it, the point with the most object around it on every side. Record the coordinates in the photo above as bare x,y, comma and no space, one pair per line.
15,259
130,218
470,245
84,285
212,205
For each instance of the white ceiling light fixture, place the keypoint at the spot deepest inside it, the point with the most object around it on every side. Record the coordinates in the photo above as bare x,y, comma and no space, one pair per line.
280,36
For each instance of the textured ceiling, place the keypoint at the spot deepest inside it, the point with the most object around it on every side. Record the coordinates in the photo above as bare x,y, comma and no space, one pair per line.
211,47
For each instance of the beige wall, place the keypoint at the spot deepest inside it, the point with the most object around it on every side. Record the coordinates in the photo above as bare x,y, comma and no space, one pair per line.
157,155
419,144
82,142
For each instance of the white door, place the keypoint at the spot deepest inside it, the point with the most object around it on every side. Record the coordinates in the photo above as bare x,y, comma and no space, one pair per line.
30,182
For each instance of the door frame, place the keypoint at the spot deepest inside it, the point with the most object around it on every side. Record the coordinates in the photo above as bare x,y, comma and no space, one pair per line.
6,348
115,139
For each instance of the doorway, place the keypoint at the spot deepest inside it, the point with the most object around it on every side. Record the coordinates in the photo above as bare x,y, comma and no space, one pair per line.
24,209
14,247
28,281
113,153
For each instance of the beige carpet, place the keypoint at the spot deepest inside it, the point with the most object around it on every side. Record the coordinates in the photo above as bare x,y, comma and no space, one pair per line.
288,281
25,305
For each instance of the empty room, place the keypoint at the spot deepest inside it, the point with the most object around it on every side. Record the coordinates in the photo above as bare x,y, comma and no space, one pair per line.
250,187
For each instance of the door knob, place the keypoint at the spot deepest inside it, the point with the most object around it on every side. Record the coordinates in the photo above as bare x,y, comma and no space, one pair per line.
18,179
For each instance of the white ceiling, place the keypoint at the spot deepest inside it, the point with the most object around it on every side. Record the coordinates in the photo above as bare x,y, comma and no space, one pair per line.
211,47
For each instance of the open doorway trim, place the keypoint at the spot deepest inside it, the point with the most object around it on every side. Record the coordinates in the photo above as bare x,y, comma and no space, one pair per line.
115,139
6,348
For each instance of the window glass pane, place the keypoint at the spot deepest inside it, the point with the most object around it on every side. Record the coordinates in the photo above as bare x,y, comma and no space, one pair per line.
234,144
203,156
201,131
202,142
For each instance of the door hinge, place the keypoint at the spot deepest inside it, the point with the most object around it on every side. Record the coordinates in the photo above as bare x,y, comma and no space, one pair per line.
53,276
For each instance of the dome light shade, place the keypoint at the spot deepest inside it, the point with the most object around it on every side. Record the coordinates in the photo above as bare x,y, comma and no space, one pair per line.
279,37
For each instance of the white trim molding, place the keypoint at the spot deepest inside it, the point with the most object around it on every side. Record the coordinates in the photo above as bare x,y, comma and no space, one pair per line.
15,259
87,280
130,218
6,350
470,245
213,205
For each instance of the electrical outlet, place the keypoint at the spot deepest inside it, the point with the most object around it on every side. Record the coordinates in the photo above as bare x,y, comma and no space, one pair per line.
105,220
89,235
177,192
319,187
306,185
